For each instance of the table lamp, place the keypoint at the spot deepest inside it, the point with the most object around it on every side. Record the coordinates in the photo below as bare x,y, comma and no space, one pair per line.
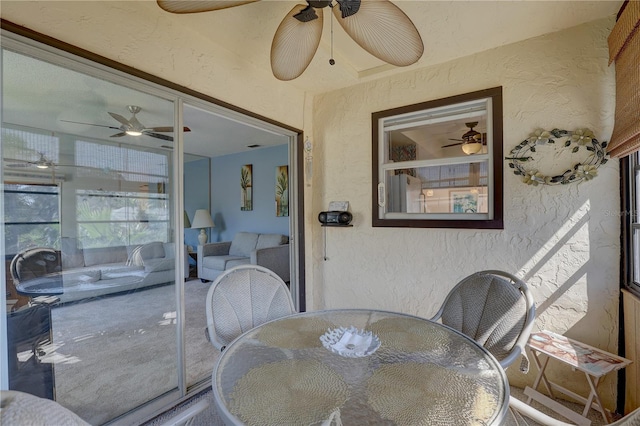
202,219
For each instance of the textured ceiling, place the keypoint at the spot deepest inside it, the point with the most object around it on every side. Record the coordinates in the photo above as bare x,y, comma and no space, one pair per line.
449,30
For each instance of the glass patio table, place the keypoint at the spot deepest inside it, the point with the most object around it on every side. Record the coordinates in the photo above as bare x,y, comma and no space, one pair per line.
373,367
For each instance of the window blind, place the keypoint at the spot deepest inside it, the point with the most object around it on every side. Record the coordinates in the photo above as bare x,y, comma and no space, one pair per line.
624,49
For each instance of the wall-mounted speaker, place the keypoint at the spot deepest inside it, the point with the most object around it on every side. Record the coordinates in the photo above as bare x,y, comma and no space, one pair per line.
335,218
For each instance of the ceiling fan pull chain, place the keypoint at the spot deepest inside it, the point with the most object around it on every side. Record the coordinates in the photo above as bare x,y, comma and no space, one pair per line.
331,60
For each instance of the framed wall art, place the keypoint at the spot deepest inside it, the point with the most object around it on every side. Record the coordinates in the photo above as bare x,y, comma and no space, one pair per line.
463,201
246,187
282,191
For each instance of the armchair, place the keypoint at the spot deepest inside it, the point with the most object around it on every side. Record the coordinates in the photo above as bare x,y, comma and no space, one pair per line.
247,248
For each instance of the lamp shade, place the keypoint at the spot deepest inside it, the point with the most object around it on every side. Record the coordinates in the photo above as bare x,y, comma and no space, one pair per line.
202,219
187,222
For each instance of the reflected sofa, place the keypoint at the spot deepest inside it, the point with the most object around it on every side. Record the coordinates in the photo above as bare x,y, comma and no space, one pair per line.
268,250
74,274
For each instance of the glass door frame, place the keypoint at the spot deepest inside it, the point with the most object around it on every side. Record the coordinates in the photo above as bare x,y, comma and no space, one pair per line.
42,47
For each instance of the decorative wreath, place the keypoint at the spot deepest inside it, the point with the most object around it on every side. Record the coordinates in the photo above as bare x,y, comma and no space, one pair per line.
586,169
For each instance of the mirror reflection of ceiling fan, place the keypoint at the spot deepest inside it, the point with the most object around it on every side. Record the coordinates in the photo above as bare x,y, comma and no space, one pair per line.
378,26
45,163
472,141
133,127
41,163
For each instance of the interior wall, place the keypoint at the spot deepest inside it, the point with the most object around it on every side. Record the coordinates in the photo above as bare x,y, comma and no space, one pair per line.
196,195
562,240
225,193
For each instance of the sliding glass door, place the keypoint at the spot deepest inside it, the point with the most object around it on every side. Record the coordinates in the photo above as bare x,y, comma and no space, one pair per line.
101,171
90,247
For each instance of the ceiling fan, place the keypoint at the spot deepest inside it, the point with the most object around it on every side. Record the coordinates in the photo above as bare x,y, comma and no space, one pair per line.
45,163
378,26
133,127
471,141
42,162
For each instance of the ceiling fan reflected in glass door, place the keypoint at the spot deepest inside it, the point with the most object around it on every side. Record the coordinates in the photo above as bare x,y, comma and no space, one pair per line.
378,26
133,127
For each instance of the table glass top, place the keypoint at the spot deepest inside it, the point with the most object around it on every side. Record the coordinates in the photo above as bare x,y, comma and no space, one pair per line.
421,373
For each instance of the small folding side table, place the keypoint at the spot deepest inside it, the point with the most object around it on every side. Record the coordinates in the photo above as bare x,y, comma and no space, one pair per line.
593,362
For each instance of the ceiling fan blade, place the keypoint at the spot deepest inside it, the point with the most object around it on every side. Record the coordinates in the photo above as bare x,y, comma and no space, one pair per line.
20,163
121,119
294,44
166,129
451,144
383,29
459,140
158,136
91,124
118,135
182,6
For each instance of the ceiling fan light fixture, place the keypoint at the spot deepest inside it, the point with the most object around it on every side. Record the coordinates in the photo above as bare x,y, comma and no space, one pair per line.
472,147
133,132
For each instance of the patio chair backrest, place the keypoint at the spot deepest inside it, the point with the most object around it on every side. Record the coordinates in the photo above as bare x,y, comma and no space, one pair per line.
495,309
242,298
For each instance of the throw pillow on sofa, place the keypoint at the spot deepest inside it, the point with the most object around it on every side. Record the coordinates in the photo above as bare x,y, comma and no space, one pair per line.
243,244
139,254
103,255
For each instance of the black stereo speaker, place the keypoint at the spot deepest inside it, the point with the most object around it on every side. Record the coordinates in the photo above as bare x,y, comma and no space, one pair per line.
335,218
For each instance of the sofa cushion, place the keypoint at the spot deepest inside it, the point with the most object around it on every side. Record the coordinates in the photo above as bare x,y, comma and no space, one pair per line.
243,244
161,264
236,262
139,254
270,240
72,256
152,250
118,270
102,255
134,258
219,263
169,250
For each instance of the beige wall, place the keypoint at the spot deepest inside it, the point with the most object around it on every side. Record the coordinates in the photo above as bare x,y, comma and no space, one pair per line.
563,240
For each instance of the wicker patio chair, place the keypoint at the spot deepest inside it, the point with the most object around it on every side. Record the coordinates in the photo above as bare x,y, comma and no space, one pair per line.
242,298
494,308
523,415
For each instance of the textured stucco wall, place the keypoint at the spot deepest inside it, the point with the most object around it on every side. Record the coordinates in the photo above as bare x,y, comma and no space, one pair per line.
563,240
